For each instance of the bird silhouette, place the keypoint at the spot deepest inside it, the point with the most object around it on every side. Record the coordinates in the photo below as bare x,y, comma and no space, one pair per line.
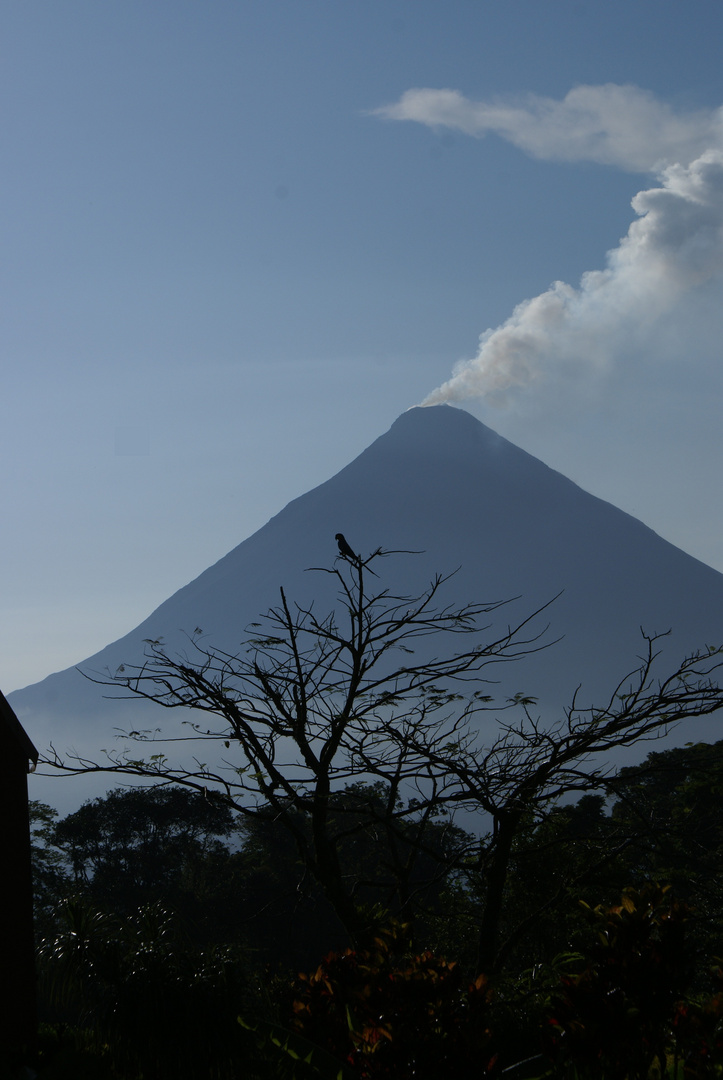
344,548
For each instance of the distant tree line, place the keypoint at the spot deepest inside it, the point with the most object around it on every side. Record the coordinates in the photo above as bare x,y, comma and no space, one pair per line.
229,880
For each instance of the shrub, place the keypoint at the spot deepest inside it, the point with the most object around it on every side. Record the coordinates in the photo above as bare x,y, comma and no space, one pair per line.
389,1016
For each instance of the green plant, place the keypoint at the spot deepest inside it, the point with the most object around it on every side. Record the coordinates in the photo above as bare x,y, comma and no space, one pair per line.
698,1033
385,1014
152,1003
614,1018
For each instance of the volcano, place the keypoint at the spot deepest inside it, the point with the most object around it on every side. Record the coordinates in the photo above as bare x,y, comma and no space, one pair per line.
460,500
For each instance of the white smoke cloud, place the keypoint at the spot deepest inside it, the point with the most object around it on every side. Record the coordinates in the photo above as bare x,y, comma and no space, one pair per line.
612,125
674,246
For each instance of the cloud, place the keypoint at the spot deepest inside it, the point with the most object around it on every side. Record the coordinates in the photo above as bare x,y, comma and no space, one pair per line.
611,125
674,247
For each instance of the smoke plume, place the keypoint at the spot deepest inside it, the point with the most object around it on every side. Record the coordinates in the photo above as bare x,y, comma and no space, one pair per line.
673,247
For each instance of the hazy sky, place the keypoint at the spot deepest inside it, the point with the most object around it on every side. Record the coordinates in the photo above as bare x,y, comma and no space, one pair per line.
239,237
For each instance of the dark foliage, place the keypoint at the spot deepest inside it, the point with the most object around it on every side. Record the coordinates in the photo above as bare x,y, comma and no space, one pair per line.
388,1014
163,1006
614,1018
135,844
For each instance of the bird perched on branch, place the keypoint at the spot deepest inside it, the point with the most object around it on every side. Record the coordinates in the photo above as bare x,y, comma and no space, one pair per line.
346,553
344,549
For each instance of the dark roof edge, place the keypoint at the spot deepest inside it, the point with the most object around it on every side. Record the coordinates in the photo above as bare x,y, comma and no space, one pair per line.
11,724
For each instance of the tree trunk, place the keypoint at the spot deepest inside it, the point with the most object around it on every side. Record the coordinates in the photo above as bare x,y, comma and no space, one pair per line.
494,887
327,871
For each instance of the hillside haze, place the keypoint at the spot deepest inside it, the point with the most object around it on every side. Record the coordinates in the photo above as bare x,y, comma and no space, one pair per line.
442,484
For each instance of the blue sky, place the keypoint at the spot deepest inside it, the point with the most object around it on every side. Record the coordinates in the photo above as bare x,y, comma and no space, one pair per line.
236,245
